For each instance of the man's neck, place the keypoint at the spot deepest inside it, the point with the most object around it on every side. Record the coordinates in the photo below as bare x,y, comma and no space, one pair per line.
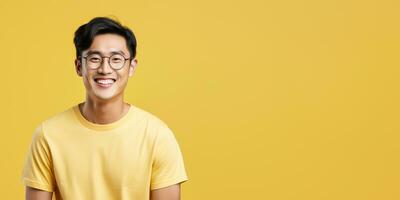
104,112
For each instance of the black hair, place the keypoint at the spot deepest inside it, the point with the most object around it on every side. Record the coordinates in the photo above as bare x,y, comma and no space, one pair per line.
85,34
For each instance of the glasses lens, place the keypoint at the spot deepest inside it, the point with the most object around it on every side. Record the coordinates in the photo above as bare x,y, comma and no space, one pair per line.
117,61
94,61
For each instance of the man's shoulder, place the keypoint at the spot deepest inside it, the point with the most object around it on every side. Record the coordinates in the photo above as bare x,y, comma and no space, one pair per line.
61,117
149,117
155,126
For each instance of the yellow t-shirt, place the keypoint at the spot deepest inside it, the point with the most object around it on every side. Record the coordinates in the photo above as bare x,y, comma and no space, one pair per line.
77,159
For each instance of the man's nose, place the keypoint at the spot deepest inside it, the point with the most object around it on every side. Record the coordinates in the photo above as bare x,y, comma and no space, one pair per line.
105,67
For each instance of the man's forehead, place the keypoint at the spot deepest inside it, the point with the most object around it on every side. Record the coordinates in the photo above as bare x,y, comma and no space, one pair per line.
107,44
102,52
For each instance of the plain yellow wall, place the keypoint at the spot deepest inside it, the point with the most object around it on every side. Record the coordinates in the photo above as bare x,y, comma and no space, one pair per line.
268,99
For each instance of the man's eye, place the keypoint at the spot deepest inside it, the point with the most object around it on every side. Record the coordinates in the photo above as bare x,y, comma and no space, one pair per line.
94,59
116,60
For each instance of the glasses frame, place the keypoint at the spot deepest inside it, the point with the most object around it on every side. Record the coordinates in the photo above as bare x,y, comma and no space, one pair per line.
109,63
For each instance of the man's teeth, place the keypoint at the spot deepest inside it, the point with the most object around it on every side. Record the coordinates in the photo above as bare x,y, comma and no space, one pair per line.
105,81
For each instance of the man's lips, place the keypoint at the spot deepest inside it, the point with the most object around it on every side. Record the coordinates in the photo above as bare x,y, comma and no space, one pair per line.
104,82
104,78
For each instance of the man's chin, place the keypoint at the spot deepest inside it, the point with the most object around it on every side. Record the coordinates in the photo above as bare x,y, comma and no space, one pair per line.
103,97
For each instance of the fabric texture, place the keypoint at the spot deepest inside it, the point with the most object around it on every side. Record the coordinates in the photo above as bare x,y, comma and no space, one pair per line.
80,160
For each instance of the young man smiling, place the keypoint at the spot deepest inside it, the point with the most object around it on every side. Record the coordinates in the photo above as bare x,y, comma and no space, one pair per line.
104,148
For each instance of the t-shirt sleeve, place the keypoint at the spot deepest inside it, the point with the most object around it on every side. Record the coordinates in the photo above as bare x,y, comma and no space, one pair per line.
38,170
168,164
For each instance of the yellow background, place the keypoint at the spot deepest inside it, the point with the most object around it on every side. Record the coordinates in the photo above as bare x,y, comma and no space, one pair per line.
268,99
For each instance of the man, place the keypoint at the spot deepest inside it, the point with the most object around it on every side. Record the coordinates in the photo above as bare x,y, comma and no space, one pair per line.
104,148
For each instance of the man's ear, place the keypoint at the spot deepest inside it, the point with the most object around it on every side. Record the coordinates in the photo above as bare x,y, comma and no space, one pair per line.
132,66
78,67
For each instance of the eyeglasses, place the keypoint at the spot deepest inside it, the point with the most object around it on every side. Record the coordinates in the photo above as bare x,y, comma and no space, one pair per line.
116,61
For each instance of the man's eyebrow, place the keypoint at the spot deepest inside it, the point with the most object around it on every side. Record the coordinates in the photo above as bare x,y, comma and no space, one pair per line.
98,52
121,52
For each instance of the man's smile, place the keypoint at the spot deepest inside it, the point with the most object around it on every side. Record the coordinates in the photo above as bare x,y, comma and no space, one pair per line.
105,82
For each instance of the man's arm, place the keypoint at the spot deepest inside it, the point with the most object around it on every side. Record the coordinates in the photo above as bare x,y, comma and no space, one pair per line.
172,192
35,194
